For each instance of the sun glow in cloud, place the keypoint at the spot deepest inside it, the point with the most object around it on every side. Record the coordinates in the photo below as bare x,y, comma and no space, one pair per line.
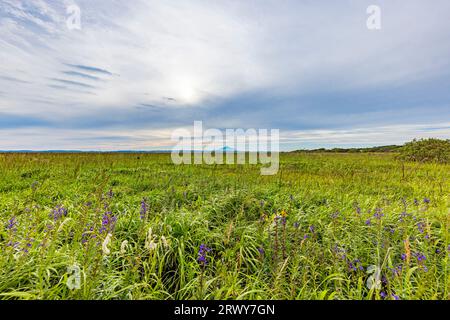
186,90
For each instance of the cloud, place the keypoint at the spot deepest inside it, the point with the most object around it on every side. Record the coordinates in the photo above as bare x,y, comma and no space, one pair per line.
392,134
153,65
6,78
79,74
11,121
74,83
90,69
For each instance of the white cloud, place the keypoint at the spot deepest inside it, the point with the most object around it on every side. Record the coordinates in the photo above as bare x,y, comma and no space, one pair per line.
382,135
183,53
160,139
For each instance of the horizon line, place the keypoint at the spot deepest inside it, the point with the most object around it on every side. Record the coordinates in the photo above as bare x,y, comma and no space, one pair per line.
192,151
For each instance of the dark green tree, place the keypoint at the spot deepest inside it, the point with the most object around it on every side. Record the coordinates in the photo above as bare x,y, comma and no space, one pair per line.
426,150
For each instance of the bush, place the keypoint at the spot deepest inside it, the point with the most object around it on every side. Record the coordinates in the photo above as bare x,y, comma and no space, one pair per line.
426,150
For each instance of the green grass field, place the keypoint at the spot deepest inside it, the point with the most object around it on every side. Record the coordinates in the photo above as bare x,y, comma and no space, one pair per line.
328,226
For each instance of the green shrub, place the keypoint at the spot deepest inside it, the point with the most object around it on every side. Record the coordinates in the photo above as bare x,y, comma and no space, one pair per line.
426,150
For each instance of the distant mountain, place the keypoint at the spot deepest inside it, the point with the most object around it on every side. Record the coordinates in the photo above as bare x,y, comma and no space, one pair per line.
227,149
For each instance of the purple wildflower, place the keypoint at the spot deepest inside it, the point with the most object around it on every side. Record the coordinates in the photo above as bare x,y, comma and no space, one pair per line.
396,297
202,251
12,223
13,244
368,222
312,228
276,218
421,226
261,251
296,225
87,234
144,209
397,270
355,265
378,214
420,256
340,252
383,295
403,215
58,213
108,222
403,257
426,200
48,227
390,229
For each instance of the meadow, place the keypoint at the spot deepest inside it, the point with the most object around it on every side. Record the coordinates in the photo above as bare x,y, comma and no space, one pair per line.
135,226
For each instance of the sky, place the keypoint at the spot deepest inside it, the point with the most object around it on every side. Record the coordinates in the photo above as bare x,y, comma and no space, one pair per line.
135,71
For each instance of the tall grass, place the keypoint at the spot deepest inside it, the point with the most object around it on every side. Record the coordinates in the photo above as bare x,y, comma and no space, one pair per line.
330,226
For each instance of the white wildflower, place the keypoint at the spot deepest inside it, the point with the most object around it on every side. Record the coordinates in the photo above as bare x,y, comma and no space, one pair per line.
149,243
374,281
152,245
164,242
123,247
105,244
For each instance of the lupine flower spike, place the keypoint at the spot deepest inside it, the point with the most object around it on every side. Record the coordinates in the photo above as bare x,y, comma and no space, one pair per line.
202,259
